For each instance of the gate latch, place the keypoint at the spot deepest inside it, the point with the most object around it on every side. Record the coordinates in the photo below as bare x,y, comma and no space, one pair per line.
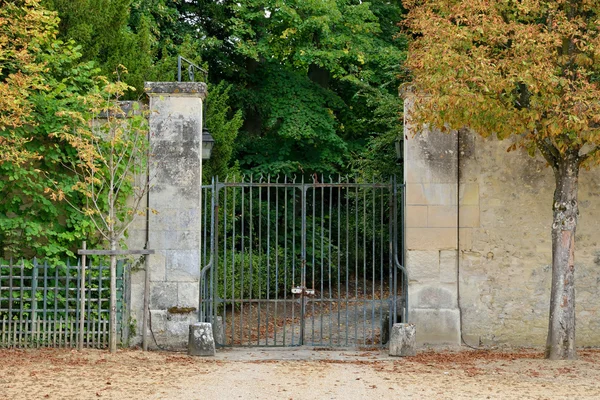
303,290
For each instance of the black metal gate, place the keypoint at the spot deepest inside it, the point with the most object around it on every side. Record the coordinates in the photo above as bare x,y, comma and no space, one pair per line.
292,263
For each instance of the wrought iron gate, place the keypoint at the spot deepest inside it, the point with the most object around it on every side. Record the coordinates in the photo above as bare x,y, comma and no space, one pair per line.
292,263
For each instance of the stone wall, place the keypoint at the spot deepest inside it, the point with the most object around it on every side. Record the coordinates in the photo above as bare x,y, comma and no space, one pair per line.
467,193
505,267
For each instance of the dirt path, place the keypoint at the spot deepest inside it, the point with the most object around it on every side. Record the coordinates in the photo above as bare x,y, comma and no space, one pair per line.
302,374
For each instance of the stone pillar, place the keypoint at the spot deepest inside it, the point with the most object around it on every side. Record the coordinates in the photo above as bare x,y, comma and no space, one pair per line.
174,200
431,233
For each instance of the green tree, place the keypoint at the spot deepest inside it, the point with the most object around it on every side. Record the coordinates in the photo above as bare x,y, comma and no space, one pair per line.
40,77
526,70
122,32
307,75
223,126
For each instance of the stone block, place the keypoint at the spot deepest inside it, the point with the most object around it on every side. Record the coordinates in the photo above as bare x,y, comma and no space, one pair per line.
469,194
183,265
158,266
415,174
201,341
436,326
423,266
187,218
403,340
414,194
442,216
416,216
465,241
431,296
164,220
175,239
440,193
430,238
448,266
163,295
160,90
469,216
171,330
188,294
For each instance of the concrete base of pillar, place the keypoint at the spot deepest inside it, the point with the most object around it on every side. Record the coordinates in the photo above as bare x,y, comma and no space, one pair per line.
403,340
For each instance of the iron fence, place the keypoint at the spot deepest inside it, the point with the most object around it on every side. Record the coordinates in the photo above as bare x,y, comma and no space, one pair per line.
40,304
289,262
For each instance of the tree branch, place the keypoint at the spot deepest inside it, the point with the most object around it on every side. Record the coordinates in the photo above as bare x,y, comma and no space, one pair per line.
549,152
590,154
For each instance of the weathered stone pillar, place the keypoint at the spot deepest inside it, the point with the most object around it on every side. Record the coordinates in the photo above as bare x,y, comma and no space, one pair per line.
174,200
431,233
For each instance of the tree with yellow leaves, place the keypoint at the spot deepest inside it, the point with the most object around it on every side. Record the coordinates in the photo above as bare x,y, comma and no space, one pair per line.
529,70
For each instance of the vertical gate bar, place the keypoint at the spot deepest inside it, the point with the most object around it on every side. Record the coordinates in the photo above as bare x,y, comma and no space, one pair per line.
303,264
4,328
356,250
259,266
89,308
381,263
285,258
34,284
312,267
393,219
402,252
374,262
243,266
268,284
3,341
250,254
233,304
224,263
275,317
214,255
322,256
364,247
339,260
330,297
56,280
67,309
10,299
293,255
100,317
348,194
205,254
78,303
45,337
22,335
214,251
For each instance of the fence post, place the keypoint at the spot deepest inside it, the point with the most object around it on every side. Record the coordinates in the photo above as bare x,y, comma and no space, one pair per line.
82,299
34,279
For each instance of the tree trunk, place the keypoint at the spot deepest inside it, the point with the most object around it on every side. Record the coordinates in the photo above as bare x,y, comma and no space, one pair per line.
112,338
561,330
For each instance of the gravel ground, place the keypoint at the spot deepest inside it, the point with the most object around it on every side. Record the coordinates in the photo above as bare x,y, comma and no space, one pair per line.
295,374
